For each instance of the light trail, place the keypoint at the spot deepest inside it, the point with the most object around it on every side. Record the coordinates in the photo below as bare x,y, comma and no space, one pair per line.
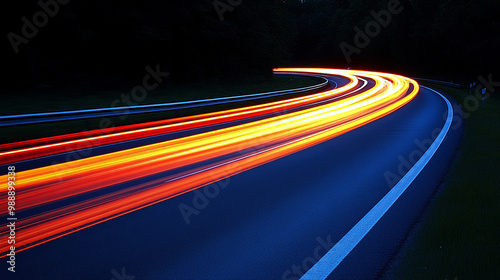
184,164
148,108
23,150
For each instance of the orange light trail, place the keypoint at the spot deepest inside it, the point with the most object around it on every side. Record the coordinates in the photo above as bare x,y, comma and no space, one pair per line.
192,161
23,150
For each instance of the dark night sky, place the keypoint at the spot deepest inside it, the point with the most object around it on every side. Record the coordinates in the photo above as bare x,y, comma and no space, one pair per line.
104,43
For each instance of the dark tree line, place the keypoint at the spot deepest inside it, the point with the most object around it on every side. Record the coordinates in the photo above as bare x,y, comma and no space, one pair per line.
448,39
107,43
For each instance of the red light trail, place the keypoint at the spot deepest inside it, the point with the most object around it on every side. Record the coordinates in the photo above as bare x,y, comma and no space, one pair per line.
192,161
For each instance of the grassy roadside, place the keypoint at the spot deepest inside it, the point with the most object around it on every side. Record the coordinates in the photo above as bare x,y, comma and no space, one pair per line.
459,235
36,102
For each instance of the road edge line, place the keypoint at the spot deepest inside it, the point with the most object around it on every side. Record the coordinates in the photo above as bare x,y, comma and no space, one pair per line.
329,262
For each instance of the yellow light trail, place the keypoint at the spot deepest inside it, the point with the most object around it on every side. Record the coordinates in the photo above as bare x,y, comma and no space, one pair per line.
207,157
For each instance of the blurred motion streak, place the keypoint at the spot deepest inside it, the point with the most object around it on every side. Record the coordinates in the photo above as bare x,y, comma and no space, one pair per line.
170,168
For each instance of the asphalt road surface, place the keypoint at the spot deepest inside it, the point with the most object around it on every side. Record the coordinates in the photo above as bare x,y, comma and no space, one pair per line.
274,221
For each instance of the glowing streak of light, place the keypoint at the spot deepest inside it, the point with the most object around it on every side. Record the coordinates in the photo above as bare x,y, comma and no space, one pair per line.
258,142
26,150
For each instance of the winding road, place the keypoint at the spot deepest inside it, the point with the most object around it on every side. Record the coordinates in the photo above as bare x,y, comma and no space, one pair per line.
325,185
